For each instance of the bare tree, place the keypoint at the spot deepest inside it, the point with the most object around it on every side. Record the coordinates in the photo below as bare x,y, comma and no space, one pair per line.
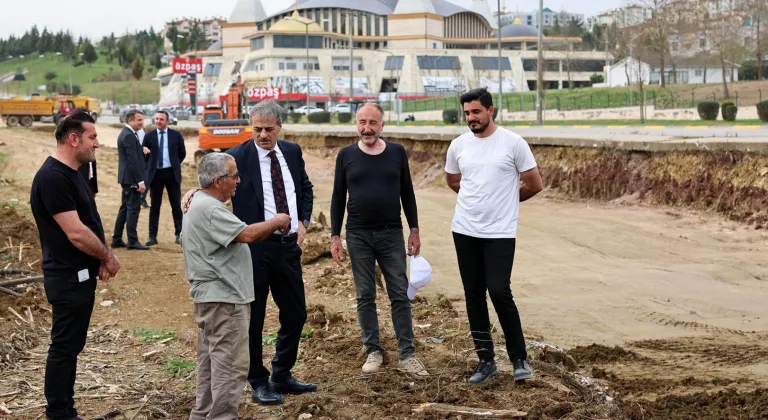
725,24
657,29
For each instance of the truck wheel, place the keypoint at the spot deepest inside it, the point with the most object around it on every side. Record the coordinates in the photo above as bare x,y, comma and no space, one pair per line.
26,121
95,116
12,121
199,155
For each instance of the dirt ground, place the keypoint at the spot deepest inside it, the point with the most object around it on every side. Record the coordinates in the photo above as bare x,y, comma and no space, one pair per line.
630,311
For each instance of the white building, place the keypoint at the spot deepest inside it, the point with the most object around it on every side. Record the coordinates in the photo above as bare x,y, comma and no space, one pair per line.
623,17
416,49
211,27
680,70
550,18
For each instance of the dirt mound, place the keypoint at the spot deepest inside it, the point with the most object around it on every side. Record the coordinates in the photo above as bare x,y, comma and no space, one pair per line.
728,404
597,353
709,350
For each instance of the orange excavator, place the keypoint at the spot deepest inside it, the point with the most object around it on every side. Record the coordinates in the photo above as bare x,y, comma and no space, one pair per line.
226,125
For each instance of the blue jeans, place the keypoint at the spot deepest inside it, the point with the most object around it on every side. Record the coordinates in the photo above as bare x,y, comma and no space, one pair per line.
366,247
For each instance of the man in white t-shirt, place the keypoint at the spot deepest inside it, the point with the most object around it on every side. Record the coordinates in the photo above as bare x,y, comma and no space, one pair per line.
485,167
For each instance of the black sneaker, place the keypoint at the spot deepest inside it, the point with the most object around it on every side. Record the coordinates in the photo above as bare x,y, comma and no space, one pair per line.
522,370
484,371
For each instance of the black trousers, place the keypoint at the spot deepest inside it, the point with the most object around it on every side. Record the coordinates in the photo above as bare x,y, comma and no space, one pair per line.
128,215
278,271
72,305
164,179
486,265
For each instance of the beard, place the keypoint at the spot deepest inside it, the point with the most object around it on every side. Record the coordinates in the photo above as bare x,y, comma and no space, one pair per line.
480,127
368,141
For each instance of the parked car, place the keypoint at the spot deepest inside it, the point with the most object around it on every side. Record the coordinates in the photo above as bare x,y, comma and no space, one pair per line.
341,108
172,120
303,110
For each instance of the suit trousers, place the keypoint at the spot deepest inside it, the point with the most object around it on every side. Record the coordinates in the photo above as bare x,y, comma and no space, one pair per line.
71,304
278,271
164,179
128,215
486,265
222,359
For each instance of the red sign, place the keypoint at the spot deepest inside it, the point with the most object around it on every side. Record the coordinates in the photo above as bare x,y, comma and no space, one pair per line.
187,65
262,93
191,86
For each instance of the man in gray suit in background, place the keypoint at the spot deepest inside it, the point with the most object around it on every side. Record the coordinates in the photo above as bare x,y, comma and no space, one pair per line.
131,170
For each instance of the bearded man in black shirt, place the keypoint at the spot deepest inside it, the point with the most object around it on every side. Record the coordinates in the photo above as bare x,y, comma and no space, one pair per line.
376,175
74,254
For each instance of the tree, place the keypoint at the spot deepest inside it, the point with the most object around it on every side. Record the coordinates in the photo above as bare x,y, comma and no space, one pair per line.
137,69
50,75
725,24
657,29
196,37
89,53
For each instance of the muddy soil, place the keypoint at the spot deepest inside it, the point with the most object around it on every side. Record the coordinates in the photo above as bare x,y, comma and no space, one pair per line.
630,311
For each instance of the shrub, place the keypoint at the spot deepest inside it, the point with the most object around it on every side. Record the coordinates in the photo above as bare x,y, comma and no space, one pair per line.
728,110
708,110
344,117
451,116
762,111
295,117
319,117
495,112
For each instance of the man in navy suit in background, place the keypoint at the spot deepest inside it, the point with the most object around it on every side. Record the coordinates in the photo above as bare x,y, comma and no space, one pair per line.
272,181
166,152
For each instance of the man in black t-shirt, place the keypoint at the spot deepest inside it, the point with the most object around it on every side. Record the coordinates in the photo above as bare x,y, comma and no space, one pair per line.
74,254
376,175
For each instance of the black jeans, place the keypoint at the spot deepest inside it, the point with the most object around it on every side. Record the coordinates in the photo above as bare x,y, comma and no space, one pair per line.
278,271
486,264
164,179
128,215
387,246
72,305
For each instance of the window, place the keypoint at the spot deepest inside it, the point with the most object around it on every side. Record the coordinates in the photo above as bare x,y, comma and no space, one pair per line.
359,24
254,65
490,63
260,27
335,17
699,73
212,70
309,14
310,66
377,26
257,43
325,17
584,65
368,31
297,41
386,27
281,66
529,64
434,45
430,62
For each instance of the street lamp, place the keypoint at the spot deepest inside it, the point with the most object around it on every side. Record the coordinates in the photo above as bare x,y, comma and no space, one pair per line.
351,13
306,22
540,70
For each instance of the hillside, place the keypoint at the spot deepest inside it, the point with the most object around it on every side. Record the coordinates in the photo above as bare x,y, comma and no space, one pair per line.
101,79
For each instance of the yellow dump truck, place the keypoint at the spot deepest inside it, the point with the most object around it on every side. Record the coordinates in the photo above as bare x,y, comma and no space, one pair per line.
91,104
17,111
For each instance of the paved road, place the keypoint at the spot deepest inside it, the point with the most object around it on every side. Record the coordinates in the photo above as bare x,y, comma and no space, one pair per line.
753,132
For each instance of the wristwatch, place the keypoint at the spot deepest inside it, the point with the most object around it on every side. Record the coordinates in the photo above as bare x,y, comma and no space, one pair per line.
306,223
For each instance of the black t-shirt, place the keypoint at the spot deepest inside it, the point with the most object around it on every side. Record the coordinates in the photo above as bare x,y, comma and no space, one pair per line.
376,184
57,188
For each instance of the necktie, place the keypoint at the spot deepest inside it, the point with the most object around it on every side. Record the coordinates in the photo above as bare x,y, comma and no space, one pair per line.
278,187
161,151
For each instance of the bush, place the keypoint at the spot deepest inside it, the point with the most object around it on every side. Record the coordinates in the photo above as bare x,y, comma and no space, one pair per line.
728,110
708,110
295,117
495,112
451,116
344,117
762,111
319,117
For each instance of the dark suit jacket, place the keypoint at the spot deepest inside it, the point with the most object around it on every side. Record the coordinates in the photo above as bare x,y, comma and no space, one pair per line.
248,201
176,151
131,167
84,171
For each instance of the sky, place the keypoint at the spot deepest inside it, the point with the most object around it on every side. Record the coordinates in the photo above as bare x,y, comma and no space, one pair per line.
99,18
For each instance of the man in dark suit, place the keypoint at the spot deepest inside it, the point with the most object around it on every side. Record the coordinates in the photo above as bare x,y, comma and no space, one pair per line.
272,181
88,172
166,152
130,175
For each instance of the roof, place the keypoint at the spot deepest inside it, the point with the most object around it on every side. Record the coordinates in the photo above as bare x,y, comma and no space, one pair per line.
696,62
296,23
481,8
379,7
216,46
414,6
247,11
517,29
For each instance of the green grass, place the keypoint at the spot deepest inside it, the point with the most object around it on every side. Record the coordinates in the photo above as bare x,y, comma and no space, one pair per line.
88,77
271,339
129,92
152,336
178,367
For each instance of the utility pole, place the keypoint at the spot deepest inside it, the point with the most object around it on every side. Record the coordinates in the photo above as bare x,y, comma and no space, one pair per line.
501,90
540,67
351,62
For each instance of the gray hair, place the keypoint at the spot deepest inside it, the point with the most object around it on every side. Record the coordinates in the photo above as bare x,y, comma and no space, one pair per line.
372,104
268,110
212,166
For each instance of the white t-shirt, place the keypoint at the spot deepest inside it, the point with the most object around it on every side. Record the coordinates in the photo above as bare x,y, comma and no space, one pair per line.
489,197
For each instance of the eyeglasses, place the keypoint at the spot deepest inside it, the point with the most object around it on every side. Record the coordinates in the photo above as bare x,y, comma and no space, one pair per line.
235,175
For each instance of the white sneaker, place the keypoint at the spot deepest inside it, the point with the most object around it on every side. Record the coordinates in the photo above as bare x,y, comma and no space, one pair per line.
373,362
413,366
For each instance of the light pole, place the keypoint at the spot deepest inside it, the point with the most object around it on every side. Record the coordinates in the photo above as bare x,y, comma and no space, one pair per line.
306,22
397,89
540,69
351,59
501,90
